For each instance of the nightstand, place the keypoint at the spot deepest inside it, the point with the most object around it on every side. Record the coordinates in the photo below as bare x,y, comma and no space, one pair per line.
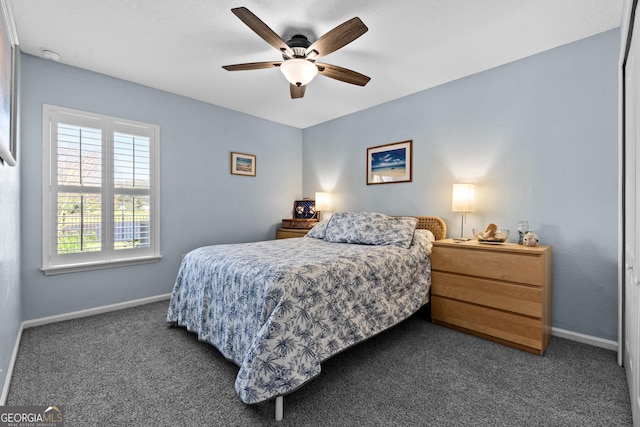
498,292
288,233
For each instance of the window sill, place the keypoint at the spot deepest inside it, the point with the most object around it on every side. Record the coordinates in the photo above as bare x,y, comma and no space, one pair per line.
74,268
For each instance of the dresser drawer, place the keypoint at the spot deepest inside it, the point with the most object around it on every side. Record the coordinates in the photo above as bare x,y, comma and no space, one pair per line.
493,264
520,299
522,330
288,233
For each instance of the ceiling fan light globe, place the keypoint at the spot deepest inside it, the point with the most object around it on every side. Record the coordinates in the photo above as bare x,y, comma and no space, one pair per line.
298,71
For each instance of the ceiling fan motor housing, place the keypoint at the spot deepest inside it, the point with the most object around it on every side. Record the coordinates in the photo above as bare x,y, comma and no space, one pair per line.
299,40
298,44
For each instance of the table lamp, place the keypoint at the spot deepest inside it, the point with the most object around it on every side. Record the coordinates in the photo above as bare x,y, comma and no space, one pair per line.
323,203
462,201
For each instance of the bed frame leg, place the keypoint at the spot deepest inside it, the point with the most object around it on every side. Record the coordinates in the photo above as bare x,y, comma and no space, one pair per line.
279,407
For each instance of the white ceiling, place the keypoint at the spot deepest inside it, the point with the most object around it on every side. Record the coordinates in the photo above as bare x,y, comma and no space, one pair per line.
180,45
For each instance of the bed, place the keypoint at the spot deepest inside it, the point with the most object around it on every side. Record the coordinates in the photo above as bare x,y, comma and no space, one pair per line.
279,308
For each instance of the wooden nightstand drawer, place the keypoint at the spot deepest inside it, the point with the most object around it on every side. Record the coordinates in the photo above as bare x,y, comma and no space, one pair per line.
521,299
498,292
494,264
288,233
511,328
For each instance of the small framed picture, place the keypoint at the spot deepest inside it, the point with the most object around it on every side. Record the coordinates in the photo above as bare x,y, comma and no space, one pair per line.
243,164
389,163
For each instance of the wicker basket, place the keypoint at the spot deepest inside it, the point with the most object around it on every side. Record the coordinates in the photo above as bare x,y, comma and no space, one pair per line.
299,223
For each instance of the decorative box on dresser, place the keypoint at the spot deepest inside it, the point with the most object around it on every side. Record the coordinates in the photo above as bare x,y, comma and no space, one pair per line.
499,292
288,233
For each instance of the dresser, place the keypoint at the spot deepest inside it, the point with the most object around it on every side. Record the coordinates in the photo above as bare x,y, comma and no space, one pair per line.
287,233
498,292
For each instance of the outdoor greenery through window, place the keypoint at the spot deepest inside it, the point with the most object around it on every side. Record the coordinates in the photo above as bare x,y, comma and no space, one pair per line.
102,187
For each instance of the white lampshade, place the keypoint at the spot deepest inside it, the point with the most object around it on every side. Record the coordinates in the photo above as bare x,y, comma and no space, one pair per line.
462,198
298,71
323,202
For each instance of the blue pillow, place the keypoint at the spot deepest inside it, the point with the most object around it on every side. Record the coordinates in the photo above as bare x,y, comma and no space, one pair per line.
318,231
370,228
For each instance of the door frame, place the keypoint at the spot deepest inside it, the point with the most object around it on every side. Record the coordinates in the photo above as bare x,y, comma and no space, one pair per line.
626,33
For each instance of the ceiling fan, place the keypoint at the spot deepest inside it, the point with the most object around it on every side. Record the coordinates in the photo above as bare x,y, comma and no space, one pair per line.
299,55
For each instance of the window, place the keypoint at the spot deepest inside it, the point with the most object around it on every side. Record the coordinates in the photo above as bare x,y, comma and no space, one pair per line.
100,201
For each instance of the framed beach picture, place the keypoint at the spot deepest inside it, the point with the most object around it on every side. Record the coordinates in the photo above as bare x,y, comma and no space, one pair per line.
389,163
243,164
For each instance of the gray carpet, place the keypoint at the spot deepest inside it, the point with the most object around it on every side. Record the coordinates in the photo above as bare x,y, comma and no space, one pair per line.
129,368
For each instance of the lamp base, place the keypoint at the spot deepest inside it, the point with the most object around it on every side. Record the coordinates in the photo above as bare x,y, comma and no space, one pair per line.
461,239
463,219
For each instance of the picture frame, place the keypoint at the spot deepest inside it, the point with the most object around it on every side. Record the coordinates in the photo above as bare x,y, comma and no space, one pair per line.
243,164
390,163
9,60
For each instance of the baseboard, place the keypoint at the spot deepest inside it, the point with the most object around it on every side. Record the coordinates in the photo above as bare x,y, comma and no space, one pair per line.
92,311
585,339
7,379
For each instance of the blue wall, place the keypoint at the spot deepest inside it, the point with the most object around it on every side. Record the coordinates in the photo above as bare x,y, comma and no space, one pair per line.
10,316
538,137
201,202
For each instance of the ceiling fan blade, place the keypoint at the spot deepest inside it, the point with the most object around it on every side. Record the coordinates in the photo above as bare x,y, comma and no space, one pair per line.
262,29
252,66
340,36
297,91
342,74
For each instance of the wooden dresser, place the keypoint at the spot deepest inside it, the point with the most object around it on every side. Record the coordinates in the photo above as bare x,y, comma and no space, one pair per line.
498,292
287,233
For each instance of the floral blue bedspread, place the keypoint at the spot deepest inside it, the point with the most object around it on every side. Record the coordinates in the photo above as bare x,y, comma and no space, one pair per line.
279,308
